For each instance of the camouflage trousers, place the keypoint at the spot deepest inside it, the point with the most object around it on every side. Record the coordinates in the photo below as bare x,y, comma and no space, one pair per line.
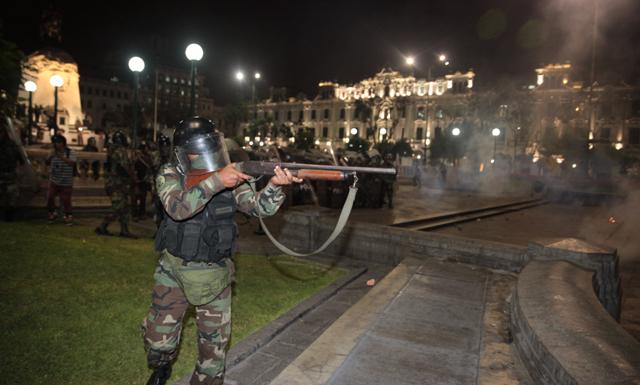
120,207
8,194
177,287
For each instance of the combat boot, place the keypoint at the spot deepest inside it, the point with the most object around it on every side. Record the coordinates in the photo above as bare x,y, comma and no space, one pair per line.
124,231
102,229
160,375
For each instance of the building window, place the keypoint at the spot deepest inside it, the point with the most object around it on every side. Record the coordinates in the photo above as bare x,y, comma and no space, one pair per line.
111,93
300,116
62,121
421,114
119,95
326,113
419,133
104,93
104,106
126,95
341,132
276,115
342,114
289,115
634,135
313,114
89,103
325,132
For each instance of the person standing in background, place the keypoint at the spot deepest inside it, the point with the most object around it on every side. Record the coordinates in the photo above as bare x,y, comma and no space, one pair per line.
62,163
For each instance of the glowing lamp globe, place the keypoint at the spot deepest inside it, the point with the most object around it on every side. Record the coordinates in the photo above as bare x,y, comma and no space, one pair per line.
194,52
30,86
136,64
56,81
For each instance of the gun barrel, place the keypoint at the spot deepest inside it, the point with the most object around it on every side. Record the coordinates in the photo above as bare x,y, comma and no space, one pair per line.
297,166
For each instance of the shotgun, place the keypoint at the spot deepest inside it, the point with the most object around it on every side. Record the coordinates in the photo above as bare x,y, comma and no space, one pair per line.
300,170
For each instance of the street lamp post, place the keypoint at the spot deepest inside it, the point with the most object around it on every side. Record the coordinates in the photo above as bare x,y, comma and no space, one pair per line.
31,87
495,132
56,81
239,75
256,77
194,53
136,65
442,59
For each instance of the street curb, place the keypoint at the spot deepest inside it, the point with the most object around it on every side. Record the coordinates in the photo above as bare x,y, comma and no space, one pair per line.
249,345
258,339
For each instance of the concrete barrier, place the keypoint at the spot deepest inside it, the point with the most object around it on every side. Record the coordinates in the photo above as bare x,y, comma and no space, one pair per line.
599,259
306,228
562,333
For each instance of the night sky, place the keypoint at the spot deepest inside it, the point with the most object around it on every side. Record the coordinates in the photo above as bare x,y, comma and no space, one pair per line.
296,43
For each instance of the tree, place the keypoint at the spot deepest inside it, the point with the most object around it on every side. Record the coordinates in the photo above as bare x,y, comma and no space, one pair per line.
362,112
358,144
10,74
402,148
305,140
385,147
234,114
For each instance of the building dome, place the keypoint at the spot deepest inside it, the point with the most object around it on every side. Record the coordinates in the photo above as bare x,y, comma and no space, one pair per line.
54,54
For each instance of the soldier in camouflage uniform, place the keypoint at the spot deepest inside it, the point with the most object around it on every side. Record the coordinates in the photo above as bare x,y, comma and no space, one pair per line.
118,186
9,159
161,155
196,240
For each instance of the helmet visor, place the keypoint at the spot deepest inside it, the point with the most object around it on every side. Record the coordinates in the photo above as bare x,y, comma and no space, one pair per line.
203,153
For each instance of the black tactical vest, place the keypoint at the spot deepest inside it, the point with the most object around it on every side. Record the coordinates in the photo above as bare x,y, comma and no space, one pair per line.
208,236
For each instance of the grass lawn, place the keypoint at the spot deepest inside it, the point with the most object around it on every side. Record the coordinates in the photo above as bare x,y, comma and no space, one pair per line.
72,304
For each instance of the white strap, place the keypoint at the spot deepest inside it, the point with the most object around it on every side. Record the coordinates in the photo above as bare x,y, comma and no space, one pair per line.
342,221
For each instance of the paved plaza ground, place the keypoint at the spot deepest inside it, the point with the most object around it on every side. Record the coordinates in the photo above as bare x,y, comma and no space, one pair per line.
424,321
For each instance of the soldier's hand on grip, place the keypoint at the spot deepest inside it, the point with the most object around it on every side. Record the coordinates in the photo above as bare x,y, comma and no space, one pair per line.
283,177
231,177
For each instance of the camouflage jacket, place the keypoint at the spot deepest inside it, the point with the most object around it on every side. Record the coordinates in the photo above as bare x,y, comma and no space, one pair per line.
181,204
120,165
9,159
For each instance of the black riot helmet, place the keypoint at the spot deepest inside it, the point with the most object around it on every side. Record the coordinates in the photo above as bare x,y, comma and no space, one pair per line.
198,136
119,138
163,141
57,138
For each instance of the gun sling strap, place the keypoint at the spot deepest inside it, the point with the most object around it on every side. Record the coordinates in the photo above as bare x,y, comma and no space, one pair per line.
342,221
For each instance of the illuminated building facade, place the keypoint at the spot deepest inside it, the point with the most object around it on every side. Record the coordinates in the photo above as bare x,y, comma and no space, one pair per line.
164,93
605,115
40,67
387,105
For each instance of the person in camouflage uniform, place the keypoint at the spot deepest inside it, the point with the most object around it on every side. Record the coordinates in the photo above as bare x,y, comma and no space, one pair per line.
9,159
118,186
200,271
160,156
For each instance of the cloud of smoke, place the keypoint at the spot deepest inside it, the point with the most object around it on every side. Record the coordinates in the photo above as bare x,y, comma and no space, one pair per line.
573,24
